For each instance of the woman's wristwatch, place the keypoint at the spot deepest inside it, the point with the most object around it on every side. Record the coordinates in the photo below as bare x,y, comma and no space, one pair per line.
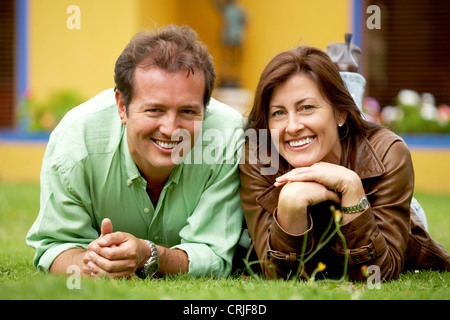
361,206
152,264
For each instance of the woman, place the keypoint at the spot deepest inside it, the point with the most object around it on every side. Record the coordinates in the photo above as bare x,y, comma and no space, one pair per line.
329,157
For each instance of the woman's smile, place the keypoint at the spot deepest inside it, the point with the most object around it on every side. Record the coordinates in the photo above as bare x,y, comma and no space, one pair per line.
301,143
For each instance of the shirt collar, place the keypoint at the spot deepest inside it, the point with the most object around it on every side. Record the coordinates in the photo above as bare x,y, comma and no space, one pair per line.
129,169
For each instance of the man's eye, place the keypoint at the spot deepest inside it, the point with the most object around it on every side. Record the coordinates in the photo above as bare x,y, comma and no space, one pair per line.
190,112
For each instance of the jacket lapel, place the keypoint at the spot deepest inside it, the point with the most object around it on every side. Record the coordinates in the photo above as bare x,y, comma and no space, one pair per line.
268,200
363,160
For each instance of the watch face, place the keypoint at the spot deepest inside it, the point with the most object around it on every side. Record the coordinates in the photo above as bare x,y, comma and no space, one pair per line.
364,202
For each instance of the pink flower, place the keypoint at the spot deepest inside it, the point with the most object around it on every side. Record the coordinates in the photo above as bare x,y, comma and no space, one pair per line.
444,113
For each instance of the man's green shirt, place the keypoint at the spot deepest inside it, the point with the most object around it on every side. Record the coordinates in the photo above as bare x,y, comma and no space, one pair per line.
88,174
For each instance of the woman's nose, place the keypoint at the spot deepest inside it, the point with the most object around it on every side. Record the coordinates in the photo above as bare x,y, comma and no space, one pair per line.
294,124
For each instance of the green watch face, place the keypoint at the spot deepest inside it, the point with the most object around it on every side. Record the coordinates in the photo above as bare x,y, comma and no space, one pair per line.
364,203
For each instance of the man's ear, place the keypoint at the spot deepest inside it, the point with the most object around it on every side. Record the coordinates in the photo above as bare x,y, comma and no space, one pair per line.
122,109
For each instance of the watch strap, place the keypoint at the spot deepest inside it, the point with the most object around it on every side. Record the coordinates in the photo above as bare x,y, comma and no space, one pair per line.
152,264
361,206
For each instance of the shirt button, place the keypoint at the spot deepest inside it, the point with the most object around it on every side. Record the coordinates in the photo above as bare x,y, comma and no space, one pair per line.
146,210
129,181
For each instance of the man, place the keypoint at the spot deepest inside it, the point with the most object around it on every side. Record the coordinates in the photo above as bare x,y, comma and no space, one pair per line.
133,181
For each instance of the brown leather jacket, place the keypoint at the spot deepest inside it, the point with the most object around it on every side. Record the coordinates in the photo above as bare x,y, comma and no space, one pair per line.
388,234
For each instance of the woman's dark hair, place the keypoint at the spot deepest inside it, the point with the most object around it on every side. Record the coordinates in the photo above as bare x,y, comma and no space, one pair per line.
173,48
317,65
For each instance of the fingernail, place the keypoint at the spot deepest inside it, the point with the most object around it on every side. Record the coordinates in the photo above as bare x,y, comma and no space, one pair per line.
102,241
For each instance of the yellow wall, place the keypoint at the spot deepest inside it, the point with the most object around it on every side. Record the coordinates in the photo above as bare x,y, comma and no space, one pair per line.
275,26
432,170
21,162
84,59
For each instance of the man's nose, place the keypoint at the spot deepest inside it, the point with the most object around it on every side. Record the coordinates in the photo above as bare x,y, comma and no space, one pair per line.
168,125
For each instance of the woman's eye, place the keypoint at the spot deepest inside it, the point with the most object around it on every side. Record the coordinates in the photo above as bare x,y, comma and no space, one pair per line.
307,108
277,113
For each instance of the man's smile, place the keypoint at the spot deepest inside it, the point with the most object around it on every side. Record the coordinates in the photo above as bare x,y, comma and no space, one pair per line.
168,145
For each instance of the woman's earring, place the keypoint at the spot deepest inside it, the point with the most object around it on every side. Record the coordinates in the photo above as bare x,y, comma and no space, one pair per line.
340,124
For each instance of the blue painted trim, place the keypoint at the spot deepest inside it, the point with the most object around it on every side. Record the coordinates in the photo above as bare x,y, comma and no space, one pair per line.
358,15
427,141
22,136
21,48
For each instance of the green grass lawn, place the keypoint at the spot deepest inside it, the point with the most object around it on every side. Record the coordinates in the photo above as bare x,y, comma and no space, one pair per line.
18,280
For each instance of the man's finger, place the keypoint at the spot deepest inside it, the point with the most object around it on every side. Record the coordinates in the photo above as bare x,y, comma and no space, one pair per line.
106,227
110,268
114,252
112,239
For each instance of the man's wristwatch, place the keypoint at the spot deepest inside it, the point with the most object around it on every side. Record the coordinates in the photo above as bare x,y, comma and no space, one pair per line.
361,206
152,264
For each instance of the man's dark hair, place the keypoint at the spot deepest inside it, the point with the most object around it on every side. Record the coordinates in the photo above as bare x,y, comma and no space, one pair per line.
172,49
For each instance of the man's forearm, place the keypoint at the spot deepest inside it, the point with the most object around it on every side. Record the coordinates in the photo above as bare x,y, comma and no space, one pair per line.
172,261
68,258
